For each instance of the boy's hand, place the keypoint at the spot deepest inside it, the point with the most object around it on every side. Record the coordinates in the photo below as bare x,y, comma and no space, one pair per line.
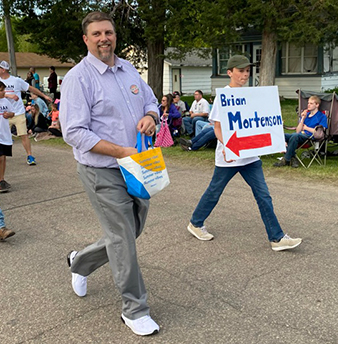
8,114
223,151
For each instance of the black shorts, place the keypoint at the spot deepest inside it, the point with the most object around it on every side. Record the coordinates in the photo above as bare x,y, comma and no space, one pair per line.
5,150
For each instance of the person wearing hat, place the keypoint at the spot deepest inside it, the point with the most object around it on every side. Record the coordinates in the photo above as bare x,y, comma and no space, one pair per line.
14,87
238,69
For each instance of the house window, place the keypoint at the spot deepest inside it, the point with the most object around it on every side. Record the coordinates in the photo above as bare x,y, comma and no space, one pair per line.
224,54
299,60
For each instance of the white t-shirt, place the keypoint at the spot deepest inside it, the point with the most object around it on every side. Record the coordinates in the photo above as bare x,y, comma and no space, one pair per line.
5,132
219,157
202,106
16,85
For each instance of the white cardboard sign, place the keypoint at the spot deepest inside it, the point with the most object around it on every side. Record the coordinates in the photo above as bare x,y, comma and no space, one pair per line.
251,121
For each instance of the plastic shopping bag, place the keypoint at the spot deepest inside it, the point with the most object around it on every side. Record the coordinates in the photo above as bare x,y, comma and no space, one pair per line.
145,173
163,137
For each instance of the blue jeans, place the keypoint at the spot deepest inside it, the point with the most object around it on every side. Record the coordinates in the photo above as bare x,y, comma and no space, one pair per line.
253,175
190,123
2,219
204,137
293,140
200,125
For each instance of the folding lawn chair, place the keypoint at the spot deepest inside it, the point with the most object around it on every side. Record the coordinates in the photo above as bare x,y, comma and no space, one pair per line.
315,147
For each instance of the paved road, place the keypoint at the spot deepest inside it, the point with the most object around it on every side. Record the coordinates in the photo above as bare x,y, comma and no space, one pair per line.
234,289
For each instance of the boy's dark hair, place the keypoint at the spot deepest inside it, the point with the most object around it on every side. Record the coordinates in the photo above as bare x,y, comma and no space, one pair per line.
2,85
52,68
200,92
95,17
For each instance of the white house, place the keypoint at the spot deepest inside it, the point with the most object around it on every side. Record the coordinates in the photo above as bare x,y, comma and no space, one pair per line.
309,67
187,75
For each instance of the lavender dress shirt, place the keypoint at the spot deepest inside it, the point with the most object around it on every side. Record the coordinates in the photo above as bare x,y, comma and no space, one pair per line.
99,102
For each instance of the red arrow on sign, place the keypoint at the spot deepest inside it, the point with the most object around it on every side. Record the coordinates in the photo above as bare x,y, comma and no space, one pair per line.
236,144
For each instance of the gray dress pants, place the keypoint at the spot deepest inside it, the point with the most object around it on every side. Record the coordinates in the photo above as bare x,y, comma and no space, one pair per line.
122,219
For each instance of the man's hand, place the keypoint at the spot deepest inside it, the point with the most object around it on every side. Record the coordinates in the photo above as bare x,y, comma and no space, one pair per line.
146,126
127,151
49,99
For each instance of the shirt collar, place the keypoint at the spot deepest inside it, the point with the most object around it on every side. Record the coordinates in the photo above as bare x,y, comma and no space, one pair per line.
101,66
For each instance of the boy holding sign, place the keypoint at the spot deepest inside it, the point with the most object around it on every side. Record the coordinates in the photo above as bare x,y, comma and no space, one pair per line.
238,69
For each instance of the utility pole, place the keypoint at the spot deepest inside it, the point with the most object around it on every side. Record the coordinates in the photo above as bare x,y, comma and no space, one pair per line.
9,36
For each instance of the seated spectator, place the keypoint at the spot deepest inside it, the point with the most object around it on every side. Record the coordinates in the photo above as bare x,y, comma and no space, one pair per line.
39,124
54,128
180,105
310,119
41,103
199,111
57,102
205,137
168,110
54,116
200,125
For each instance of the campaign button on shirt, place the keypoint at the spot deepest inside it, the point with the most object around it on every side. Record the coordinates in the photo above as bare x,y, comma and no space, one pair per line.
134,89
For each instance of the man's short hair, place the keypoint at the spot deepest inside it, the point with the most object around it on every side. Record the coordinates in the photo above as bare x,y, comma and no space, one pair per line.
200,92
52,68
315,99
95,17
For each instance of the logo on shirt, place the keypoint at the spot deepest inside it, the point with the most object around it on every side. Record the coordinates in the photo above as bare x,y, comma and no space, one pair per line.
3,108
134,89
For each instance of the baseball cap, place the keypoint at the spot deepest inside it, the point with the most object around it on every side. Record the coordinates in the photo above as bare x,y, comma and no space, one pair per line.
238,61
4,65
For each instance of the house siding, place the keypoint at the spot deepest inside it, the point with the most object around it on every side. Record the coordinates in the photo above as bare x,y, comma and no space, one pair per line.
196,78
329,82
287,87
166,78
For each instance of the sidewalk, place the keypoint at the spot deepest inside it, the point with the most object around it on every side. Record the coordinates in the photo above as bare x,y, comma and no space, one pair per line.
234,289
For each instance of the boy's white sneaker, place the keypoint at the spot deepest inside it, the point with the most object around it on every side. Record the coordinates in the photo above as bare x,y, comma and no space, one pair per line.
286,243
144,326
199,232
79,282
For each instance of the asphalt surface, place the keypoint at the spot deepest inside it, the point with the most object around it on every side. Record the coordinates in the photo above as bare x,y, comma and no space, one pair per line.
233,289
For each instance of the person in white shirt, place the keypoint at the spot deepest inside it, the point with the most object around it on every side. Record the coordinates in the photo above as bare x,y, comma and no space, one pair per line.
238,69
6,111
199,111
14,87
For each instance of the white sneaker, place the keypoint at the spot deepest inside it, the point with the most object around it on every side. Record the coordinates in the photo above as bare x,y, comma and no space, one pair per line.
199,232
286,243
143,326
79,283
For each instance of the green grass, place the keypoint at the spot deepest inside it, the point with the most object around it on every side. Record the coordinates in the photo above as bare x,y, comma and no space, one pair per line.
328,173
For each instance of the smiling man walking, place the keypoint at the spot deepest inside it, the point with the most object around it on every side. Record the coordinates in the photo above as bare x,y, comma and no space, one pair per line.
104,103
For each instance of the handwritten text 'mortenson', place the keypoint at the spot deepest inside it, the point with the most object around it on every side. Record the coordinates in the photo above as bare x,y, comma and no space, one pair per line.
253,122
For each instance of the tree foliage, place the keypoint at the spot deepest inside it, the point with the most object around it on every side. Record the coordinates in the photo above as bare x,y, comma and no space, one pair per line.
184,24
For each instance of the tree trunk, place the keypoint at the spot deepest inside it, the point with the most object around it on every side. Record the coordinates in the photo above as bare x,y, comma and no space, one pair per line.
155,67
9,36
268,59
